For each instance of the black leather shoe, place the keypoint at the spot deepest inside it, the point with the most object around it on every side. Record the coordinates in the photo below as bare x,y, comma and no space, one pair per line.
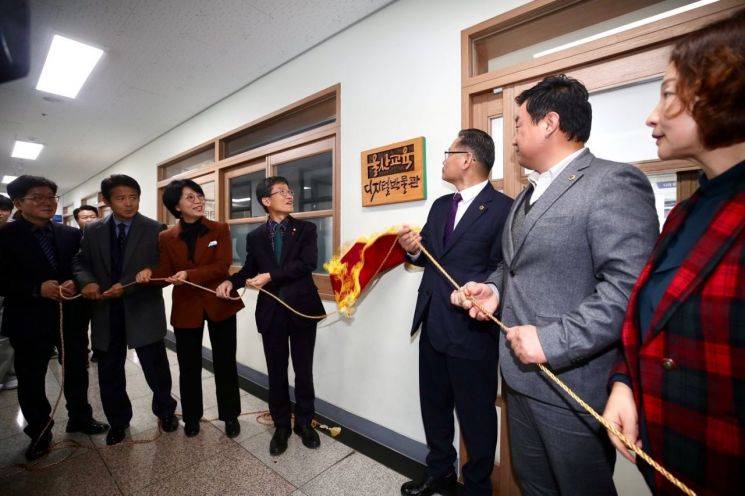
309,436
232,428
278,444
191,429
90,426
430,485
116,435
38,449
169,423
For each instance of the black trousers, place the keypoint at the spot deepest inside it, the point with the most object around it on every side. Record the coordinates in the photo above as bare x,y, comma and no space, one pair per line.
469,386
189,352
112,378
281,341
31,362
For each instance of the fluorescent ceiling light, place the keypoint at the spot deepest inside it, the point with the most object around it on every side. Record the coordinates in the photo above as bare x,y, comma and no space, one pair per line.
26,149
241,200
625,27
9,179
68,65
5,195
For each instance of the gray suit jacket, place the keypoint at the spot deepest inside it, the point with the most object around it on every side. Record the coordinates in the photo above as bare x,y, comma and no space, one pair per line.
570,274
145,316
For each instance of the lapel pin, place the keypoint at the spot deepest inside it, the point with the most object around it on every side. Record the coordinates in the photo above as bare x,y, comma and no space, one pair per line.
572,177
481,207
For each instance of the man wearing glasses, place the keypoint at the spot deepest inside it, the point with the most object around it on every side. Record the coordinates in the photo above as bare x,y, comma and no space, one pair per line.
35,270
281,256
457,355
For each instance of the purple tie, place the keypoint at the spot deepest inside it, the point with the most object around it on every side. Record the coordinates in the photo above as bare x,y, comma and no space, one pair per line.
450,225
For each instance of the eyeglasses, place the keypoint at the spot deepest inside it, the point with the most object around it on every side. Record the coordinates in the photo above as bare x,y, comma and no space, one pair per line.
38,199
284,193
448,153
194,198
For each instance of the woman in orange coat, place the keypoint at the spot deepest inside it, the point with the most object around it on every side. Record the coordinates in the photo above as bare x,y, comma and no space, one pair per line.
199,250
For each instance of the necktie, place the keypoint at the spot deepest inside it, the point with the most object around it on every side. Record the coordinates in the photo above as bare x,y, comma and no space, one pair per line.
450,224
278,243
47,247
121,237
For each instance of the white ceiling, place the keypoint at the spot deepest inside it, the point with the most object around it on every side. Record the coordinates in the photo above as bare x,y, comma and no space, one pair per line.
164,62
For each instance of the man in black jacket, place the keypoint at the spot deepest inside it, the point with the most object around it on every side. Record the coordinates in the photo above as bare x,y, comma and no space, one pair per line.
35,270
281,255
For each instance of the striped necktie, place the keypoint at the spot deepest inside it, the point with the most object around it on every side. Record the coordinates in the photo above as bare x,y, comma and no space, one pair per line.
46,246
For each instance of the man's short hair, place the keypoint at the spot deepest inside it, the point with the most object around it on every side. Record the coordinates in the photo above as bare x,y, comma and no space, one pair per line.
6,204
116,180
567,97
84,207
480,144
264,188
172,194
19,187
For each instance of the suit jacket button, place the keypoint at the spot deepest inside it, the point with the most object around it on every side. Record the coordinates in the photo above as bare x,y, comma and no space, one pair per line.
512,273
668,363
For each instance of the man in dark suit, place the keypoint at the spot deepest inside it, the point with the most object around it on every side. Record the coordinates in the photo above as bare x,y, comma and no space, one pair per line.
109,256
458,356
35,268
281,255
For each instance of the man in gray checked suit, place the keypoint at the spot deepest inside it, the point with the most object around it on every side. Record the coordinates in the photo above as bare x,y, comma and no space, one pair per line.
574,243
112,251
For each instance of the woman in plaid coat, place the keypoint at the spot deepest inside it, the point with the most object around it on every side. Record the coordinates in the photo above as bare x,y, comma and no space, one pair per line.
680,390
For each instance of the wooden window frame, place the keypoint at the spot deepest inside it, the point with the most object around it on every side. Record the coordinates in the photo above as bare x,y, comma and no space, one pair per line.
254,159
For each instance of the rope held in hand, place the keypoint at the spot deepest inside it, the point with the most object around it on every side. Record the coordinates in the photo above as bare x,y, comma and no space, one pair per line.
608,426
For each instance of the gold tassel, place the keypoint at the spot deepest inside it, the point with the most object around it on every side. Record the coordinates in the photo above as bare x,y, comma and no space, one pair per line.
334,431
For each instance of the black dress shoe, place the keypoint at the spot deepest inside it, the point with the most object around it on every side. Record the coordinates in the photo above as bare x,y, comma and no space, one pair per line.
169,423
38,449
278,444
90,426
232,428
309,436
191,429
116,435
430,485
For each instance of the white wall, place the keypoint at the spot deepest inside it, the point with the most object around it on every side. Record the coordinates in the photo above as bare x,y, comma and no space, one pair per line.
400,78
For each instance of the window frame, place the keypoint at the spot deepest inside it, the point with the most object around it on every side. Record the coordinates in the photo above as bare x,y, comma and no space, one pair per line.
225,168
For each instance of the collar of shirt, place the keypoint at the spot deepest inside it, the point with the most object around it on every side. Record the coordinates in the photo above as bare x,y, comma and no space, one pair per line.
467,196
271,225
724,182
541,182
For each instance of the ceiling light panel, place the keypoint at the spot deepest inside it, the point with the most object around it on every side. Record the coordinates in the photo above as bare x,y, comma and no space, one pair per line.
68,65
27,150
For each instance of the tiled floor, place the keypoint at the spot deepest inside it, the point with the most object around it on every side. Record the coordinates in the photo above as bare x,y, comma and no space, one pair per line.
209,464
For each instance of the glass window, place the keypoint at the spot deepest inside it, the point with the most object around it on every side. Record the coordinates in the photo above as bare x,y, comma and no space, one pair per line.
311,180
209,199
243,200
190,163
566,27
665,187
497,134
304,119
238,233
618,129
324,231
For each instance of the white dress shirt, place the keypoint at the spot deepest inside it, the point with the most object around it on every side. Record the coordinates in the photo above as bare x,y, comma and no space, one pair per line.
541,182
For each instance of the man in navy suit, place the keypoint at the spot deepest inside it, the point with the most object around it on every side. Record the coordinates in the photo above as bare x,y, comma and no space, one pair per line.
281,255
35,267
457,355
